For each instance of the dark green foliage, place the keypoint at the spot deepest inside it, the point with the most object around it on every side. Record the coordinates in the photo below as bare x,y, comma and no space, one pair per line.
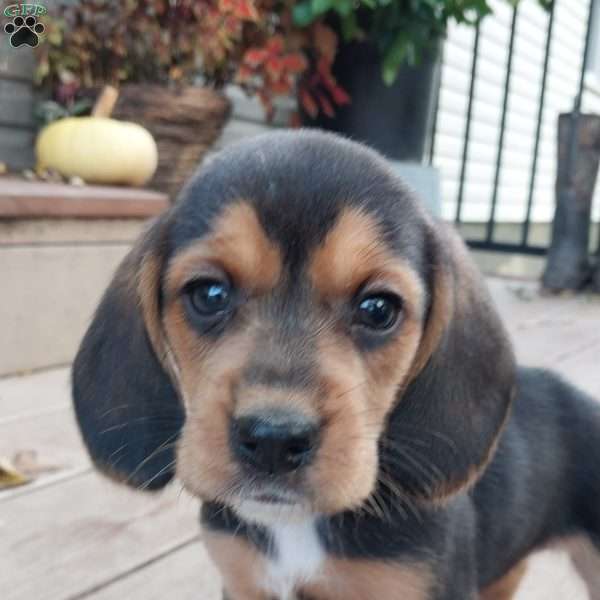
402,29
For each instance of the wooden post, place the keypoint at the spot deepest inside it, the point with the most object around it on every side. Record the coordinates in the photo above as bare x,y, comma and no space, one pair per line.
568,266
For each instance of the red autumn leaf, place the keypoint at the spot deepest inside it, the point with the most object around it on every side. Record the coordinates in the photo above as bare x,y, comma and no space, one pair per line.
324,71
255,57
242,9
308,103
326,106
275,45
295,63
274,66
339,95
232,25
246,10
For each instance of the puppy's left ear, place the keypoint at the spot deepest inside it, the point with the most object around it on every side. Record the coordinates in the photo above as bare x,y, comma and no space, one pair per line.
125,399
448,419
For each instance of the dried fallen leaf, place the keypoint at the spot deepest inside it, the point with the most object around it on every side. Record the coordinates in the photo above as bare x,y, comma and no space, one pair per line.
10,476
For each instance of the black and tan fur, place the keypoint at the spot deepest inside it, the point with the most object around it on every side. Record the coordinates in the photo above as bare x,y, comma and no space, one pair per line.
440,466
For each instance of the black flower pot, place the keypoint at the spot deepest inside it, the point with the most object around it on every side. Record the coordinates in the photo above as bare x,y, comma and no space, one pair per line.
397,120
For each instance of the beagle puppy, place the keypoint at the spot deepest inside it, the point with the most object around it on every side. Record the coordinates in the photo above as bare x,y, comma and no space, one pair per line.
318,360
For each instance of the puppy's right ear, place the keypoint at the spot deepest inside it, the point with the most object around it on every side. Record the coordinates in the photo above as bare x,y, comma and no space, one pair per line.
127,407
451,415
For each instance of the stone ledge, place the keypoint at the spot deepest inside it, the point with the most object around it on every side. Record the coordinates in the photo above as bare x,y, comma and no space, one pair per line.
59,246
33,199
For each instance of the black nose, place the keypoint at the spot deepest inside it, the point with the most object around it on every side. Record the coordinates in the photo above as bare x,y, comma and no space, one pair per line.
274,444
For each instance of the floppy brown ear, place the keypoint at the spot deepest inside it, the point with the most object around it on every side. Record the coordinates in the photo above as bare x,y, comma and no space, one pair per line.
447,422
126,405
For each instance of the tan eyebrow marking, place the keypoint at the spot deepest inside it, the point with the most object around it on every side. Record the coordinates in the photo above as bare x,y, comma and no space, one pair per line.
239,245
353,252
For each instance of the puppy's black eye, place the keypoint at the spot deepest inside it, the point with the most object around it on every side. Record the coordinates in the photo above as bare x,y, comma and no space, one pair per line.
378,312
210,298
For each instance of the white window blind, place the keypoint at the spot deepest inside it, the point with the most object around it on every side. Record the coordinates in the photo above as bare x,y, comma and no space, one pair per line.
568,39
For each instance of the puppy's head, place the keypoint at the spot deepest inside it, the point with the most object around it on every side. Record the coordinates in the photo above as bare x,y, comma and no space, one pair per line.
295,332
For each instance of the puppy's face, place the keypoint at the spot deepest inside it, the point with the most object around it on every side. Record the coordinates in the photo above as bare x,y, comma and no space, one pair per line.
293,298
288,368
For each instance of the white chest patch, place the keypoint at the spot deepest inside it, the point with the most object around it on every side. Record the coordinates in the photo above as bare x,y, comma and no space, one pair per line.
297,558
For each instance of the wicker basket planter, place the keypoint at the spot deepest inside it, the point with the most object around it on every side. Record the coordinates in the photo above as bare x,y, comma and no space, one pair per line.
184,123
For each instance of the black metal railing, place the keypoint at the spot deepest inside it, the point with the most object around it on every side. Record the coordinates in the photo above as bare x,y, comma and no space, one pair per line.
489,241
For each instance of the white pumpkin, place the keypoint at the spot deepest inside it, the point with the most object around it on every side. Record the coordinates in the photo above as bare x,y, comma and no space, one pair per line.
99,150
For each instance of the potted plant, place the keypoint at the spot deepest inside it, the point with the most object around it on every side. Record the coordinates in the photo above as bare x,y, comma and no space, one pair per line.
349,62
388,62
365,68
151,50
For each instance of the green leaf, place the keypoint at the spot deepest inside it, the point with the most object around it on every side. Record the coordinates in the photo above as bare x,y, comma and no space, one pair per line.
349,27
318,7
372,4
393,59
79,107
302,14
411,55
343,7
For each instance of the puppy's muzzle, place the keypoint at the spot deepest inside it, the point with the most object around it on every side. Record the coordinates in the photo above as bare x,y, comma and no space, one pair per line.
274,443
